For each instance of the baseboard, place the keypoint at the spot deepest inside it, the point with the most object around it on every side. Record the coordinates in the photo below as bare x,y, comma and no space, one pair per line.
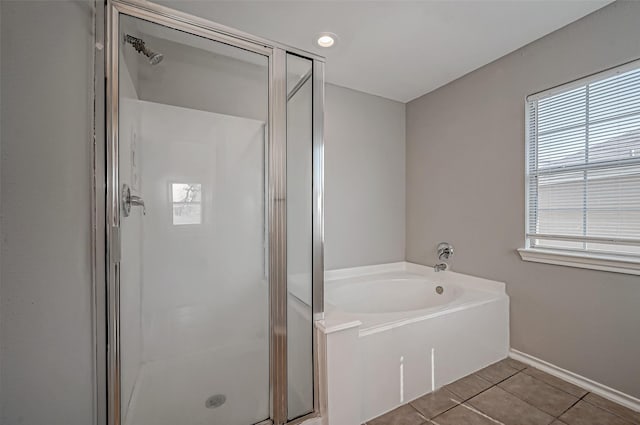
586,383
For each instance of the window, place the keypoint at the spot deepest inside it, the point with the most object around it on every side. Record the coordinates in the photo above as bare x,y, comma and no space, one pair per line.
583,165
186,201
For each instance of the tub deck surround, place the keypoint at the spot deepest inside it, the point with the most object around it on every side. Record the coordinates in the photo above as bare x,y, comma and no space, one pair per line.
395,332
510,393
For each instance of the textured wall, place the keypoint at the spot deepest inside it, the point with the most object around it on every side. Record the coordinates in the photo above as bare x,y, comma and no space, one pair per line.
46,374
465,185
364,179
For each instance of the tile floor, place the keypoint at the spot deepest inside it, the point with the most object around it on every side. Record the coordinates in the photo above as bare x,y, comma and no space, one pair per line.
510,393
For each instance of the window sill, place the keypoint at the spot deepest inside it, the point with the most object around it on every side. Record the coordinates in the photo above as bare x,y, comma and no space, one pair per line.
604,262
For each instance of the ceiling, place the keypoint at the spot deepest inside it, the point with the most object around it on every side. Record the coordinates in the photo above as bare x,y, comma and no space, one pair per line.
398,49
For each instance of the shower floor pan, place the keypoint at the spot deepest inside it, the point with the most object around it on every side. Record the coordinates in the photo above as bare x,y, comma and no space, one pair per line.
220,386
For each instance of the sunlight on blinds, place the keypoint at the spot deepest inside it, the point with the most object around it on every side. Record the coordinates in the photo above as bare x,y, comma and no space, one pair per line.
583,165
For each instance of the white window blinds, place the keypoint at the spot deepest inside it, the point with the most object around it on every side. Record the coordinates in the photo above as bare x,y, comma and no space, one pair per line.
583,165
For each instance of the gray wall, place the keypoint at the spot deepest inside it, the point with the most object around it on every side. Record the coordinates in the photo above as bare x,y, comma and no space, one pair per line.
46,374
465,185
364,179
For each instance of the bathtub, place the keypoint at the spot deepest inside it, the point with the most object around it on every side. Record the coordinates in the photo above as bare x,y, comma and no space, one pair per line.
395,332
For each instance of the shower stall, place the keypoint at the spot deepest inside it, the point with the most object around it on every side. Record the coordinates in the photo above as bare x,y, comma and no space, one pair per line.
214,226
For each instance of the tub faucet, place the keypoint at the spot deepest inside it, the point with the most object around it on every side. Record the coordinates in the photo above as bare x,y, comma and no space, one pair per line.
440,267
445,251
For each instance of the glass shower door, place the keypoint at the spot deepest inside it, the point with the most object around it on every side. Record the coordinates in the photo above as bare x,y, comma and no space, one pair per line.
193,276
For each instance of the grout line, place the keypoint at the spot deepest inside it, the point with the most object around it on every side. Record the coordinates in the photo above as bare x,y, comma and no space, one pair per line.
536,407
584,383
499,382
525,401
485,390
473,409
557,388
458,403
414,408
569,408
578,399
541,381
508,377
551,385
462,403
465,400
624,418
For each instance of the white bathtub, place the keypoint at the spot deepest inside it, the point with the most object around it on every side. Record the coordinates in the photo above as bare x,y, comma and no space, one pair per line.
397,331
388,293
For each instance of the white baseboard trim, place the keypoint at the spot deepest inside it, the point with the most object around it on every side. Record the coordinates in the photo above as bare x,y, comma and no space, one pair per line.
586,383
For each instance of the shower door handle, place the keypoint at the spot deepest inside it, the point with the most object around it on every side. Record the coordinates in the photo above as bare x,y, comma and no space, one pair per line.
129,200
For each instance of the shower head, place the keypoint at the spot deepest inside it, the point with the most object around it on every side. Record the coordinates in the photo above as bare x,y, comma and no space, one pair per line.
155,57
139,44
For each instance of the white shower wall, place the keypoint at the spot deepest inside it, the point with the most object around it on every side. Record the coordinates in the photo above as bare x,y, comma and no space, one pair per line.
189,300
194,282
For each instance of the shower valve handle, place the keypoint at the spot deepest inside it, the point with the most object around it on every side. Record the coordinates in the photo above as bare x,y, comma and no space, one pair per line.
129,200
137,201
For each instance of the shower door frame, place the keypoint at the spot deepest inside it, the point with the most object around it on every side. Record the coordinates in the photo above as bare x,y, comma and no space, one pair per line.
276,199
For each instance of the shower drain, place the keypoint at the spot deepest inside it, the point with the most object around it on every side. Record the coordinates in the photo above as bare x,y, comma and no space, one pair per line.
215,401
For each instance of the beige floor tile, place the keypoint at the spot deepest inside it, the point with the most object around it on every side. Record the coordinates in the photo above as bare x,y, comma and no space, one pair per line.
528,397
514,363
556,382
433,404
403,415
541,395
462,415
468,386
623,412
509,409
584,413
496,372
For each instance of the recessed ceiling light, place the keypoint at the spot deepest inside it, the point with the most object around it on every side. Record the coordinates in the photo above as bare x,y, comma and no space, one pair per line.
326,39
